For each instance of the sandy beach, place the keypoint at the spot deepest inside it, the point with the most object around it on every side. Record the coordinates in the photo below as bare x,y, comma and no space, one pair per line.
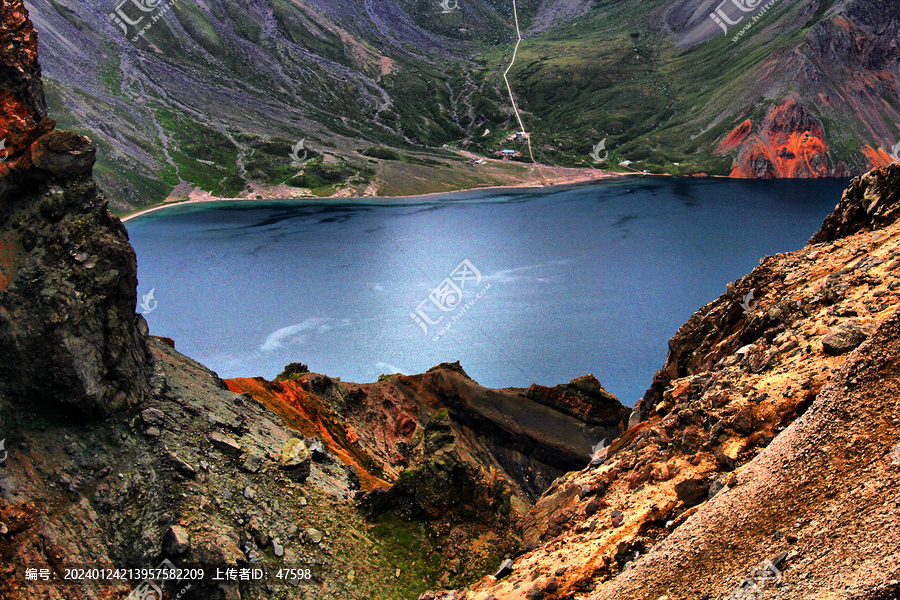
539,176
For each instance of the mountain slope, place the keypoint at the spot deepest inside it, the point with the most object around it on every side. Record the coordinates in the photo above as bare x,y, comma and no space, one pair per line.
215,96
663,84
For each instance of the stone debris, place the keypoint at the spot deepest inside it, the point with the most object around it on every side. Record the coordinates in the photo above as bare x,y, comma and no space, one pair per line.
295,459
225,443
313,536
844,338
506,569
178,540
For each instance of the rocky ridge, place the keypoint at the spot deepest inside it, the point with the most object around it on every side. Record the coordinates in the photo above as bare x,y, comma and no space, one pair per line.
504,430
67,273
440,449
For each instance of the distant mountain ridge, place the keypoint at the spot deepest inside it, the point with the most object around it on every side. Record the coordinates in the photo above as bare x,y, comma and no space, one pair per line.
213,97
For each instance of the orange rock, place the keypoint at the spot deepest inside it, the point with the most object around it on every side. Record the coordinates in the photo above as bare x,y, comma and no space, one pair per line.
735,138
790,144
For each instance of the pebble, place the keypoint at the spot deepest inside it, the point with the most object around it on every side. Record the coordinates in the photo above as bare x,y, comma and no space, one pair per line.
313,535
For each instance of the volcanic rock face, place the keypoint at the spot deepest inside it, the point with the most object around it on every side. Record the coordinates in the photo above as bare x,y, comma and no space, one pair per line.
840,68
804,499
790,143
438,449
68,331
193,475
532,436
871,202
23,112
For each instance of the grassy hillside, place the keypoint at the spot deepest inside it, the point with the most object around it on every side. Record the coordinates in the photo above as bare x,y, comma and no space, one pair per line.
214,97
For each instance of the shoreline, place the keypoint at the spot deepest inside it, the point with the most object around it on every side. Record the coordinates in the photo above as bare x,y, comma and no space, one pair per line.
203,197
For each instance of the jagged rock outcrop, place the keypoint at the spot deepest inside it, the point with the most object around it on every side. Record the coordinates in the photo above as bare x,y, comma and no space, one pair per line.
790,143
68,330
871,202
438,449
830,82
823,490
531,436
23,110
192,475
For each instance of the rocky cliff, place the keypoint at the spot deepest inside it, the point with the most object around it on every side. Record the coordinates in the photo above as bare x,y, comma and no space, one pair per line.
840,64
68,332
790,144
439,449
530,436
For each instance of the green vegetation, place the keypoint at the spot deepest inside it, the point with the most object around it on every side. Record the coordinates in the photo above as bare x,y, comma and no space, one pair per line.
600,76
199,27
603,77
293,372
303,30
380,153
205,156
325,178
249,28
268,160
408,547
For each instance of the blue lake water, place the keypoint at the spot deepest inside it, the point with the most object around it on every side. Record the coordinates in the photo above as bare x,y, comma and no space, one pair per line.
523,286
